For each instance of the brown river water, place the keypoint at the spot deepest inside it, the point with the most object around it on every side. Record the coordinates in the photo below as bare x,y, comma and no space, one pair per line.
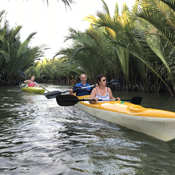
38,137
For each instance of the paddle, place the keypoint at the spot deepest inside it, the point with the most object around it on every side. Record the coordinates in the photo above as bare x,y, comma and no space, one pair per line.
115,81
23,74
53,94
70,100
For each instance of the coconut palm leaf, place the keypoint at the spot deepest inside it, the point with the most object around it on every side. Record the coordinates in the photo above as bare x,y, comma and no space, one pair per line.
156,18
14,32
66,2
155,44
21,49
5,55
105,7
162,45
2,34
15,55
136,49
170,3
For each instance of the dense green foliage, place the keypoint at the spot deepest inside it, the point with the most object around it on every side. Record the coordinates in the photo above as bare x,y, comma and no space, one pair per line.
15,54
137,45
55,71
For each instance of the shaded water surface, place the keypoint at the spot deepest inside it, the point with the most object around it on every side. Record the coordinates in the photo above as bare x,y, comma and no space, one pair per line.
39,137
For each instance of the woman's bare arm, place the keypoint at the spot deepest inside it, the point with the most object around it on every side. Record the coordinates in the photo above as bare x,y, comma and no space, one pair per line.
92,96
37,85
27,81
111,96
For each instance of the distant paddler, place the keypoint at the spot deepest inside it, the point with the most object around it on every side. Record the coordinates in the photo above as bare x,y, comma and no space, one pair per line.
31,82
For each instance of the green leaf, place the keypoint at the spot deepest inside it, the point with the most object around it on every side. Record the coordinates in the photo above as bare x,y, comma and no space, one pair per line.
5,55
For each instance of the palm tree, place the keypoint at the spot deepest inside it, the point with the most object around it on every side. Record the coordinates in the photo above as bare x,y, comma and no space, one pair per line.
117,27
15,55
91,53
161,39
66,2
138,45
125,37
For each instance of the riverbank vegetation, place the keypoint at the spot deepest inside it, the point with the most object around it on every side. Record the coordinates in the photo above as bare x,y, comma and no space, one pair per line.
15,54
137,45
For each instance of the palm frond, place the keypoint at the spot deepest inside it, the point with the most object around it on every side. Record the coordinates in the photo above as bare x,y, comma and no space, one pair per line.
21,49
105,7
66,2
170,3
156,18
5,55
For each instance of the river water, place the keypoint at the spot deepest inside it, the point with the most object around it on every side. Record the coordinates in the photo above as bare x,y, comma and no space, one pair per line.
39,137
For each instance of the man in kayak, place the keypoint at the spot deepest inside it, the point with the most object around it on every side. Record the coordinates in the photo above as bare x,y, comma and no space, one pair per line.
101,91
31,82
77,88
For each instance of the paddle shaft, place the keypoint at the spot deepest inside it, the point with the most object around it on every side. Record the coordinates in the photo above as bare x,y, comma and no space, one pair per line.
77,100
77,89
53,94
70,100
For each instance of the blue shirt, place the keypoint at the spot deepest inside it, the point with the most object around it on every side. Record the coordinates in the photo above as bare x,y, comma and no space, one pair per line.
81,92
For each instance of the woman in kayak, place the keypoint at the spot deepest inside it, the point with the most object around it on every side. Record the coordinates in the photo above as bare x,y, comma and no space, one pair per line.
101,91
31,82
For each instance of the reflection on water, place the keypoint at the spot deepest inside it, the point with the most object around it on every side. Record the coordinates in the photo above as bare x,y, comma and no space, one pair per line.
39,137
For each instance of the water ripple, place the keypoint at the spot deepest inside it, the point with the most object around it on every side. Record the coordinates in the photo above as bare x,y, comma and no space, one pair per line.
39,137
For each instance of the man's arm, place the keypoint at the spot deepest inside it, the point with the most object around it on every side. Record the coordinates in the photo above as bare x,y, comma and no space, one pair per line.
73,90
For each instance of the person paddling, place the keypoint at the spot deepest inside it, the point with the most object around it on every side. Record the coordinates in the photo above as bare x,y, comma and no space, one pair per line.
31,82
101,91
77,88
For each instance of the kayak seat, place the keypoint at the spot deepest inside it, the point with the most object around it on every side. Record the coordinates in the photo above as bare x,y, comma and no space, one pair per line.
136,108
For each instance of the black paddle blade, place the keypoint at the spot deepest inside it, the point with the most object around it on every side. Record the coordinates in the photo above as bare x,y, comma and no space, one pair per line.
66,100
115,81
52,94
136,100
22,73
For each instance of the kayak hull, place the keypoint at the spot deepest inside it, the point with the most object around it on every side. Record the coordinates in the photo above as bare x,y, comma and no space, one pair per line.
157,123
33,89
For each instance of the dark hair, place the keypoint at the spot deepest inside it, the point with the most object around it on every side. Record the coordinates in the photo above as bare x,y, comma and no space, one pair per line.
99,77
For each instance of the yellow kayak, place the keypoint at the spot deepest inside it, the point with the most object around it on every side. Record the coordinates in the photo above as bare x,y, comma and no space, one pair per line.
33,89
154,122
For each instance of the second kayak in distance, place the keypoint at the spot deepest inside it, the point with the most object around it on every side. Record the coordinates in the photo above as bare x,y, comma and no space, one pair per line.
33,89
